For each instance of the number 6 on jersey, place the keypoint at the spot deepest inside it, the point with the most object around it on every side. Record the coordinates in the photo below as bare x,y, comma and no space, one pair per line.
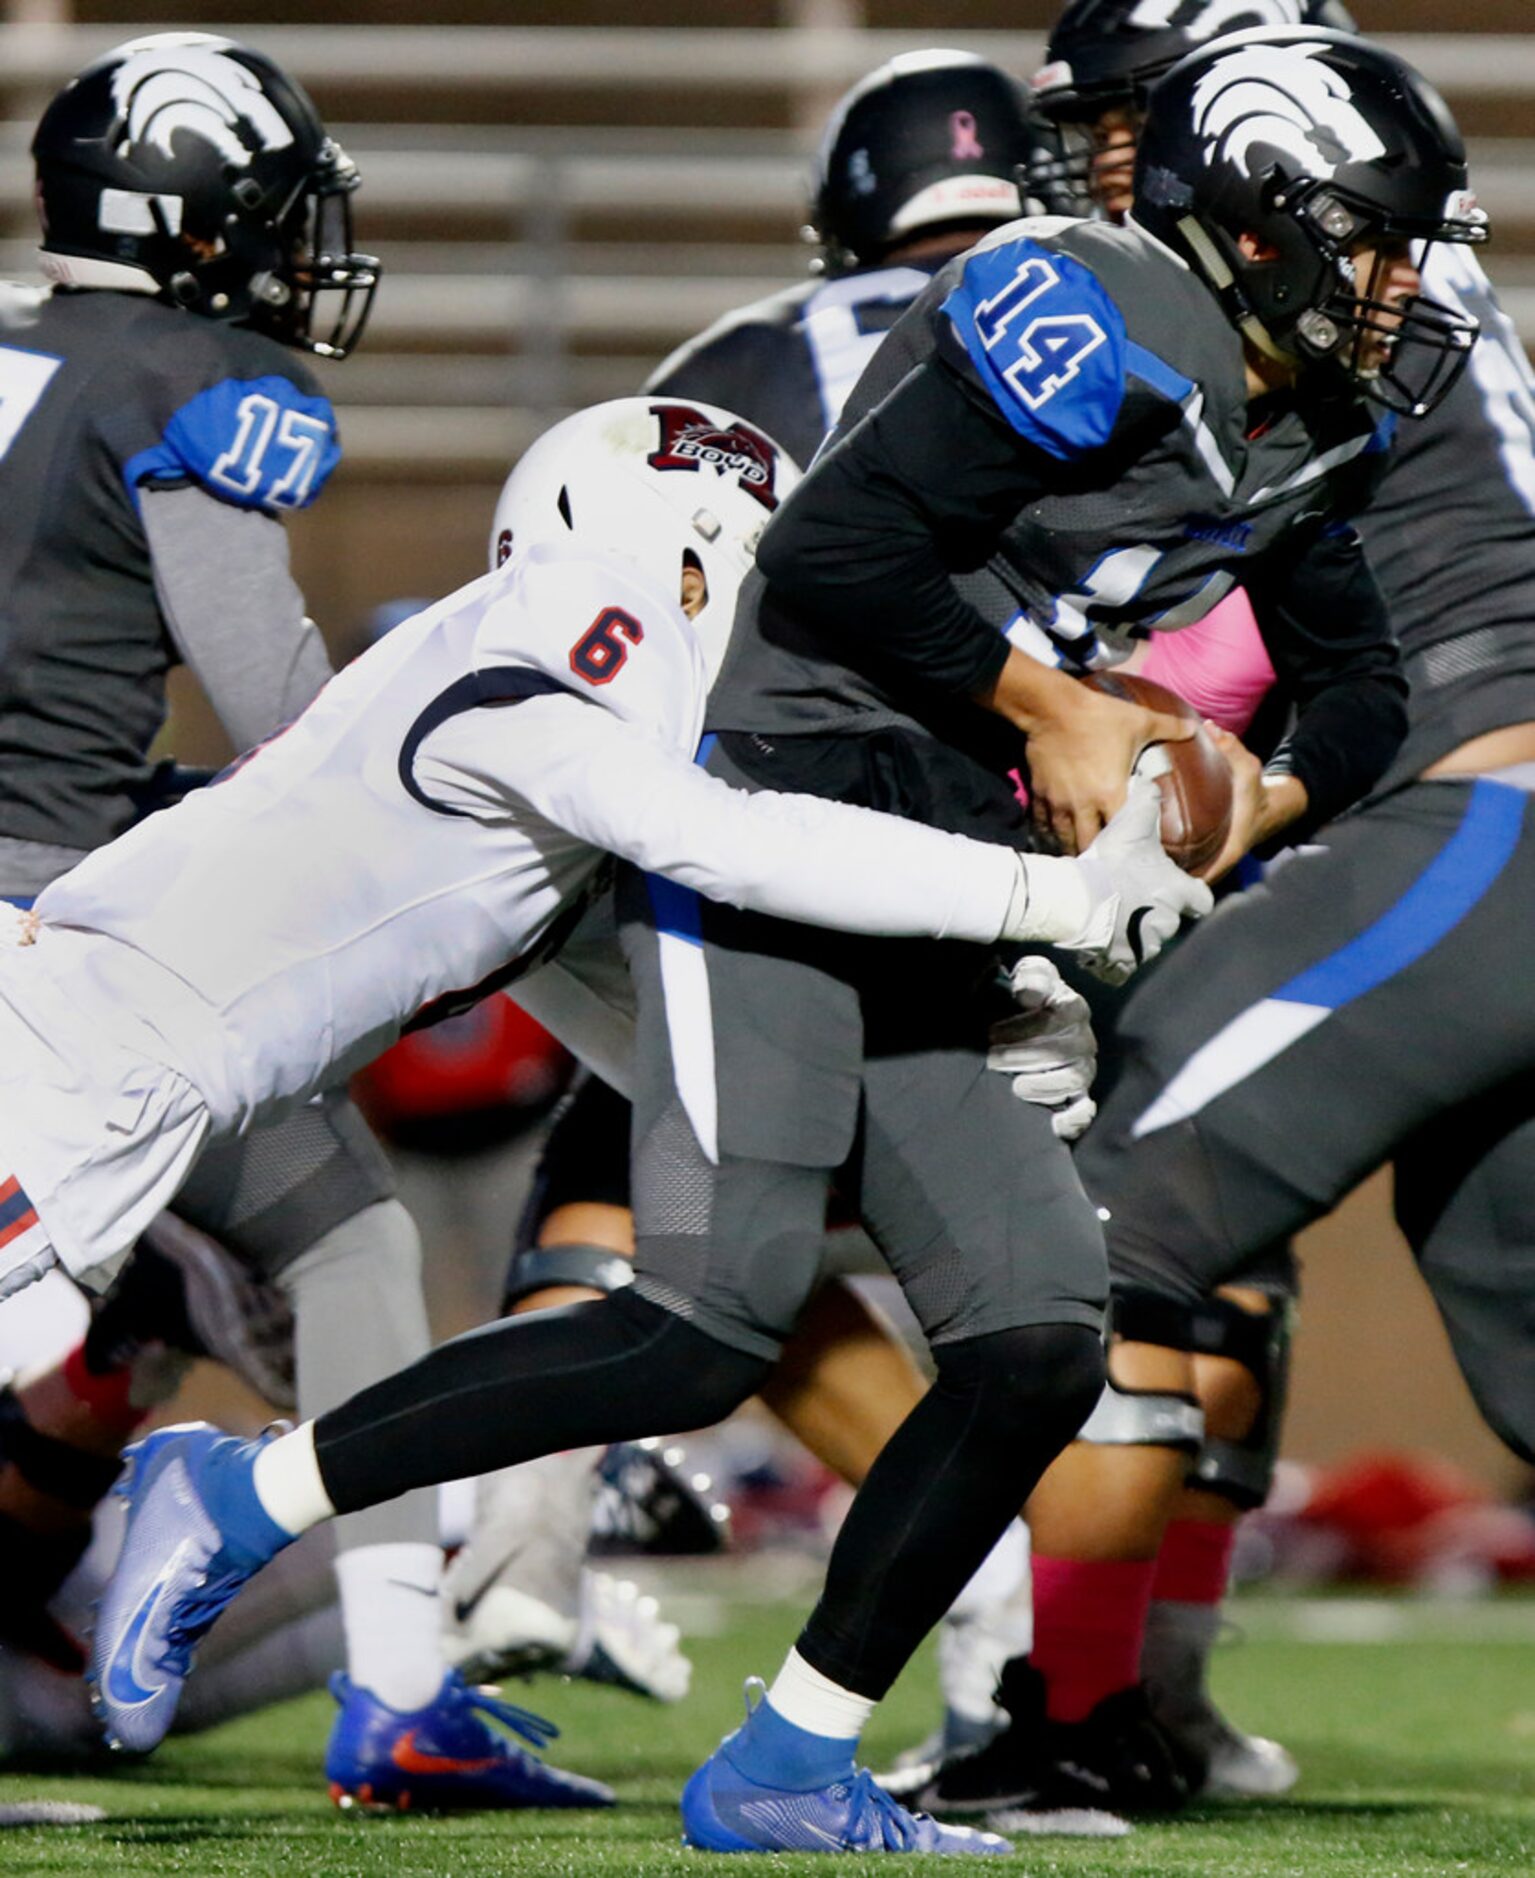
600,653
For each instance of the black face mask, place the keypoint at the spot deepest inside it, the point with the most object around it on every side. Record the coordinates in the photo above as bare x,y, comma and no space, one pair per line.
319,299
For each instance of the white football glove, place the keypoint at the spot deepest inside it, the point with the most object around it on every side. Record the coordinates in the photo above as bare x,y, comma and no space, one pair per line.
1048,1047
1118,904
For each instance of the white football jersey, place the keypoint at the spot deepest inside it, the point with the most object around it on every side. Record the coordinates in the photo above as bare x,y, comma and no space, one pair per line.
438,817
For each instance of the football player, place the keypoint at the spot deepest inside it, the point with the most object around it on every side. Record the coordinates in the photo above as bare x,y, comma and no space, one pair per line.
482,759
1460,596
159,419
917,161
1102,59
1116,438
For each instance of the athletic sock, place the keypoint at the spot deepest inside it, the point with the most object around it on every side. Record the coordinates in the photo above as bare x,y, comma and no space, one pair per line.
390,1607
287,1482
804,1734
1184,1621
1089,1619
1194,1563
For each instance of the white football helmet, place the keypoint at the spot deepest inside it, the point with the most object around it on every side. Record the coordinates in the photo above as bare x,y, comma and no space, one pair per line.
651,480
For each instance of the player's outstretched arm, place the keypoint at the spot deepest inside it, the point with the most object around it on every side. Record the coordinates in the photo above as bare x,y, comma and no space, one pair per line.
612,784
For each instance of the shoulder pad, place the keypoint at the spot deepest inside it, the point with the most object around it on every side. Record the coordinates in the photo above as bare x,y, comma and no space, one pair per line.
260,443
1046,342
600,630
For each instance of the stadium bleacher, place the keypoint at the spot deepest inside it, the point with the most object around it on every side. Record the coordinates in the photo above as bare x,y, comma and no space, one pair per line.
563,192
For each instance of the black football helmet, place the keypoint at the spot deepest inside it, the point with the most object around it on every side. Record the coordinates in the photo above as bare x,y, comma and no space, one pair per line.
1317,144
190,162
1105,55
931,140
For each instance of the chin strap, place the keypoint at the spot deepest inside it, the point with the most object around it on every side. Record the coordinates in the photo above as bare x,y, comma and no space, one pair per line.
1217,271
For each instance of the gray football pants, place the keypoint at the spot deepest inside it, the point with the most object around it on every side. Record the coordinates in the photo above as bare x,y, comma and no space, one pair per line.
1371,1002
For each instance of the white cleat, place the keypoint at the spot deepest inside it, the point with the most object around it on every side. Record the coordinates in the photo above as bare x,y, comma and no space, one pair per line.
617,1637
1245,1767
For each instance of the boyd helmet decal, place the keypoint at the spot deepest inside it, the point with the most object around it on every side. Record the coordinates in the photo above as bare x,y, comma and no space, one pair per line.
689,440
194,86
1284,98
1207,19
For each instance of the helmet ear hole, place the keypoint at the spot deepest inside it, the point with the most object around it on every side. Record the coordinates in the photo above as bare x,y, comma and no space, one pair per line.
563,505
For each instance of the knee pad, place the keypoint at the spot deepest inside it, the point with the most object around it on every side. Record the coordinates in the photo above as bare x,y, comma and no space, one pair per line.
1147,1418
1243,1471
541,1268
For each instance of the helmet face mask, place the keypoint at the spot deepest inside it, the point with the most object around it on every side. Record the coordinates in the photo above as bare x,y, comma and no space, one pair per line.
1103,58
933,141
662,483
1269,159
193,167
1404,351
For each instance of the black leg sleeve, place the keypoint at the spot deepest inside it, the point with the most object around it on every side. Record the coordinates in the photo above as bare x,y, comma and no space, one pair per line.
613,1370
942,1492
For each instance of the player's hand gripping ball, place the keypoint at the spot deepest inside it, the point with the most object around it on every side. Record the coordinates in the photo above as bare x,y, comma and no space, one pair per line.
1194,777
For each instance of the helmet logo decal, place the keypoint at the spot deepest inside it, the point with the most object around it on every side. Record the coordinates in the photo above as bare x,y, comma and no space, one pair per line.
964,145
1284,98
689,440
161,89
1206,19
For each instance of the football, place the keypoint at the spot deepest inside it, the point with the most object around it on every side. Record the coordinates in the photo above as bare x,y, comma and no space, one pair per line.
1193,776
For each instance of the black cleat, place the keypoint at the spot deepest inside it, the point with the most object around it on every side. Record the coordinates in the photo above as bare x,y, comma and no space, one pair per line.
1114,1760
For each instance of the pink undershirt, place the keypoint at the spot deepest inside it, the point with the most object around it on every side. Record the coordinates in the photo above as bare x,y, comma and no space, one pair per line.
1220,664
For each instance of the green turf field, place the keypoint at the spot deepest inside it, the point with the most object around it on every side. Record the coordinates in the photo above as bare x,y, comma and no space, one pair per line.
1419,1751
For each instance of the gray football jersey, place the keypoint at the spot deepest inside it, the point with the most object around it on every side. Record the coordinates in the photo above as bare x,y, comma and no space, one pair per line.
103,395
1451,536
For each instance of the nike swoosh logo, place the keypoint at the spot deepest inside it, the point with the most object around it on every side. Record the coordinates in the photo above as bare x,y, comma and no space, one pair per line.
121,1683
404,1584
413,1760
770,1813
834,1840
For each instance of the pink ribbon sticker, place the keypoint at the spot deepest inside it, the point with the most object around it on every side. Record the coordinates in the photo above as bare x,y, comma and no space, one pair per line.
966,146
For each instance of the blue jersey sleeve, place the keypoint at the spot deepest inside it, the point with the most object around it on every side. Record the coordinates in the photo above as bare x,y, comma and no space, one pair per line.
1046,342
260,443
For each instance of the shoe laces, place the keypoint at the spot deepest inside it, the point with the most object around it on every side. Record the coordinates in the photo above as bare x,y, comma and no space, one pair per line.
195,1612
536,1730
875,1821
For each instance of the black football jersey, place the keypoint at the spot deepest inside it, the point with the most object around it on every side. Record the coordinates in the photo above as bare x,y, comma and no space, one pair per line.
788,363
102,396
1056,449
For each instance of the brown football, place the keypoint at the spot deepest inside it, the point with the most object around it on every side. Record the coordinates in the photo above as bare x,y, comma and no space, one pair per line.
1196,789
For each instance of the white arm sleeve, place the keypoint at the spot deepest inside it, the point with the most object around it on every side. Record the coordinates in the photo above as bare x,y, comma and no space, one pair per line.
610,783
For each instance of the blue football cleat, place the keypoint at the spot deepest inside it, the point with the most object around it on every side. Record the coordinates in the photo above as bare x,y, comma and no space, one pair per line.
195,1533
445,1756
725,1811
